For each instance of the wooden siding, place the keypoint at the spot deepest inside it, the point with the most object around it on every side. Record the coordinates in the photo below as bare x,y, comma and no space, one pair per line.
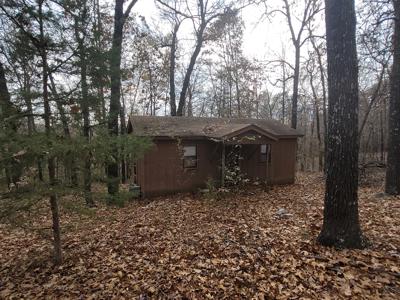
161,170
283,162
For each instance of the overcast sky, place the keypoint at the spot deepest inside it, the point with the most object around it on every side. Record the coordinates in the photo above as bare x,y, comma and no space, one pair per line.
262,38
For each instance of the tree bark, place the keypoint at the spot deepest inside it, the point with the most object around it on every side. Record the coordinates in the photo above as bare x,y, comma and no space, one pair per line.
172,94
392,186
87,172
115,75
317,120
6,107
341,226
324,102
189,71
295,86
51,160
123,132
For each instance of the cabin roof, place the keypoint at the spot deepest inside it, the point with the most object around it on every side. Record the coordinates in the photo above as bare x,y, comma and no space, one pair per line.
218,128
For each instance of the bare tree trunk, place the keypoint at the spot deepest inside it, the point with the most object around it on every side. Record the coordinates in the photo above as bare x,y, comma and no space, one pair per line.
341,226
283,92
371,103
295,87
316,113
189,71
123,132
172,95
382,133
392,186
5,99
115,74
238,97
80,36
324,101
51,159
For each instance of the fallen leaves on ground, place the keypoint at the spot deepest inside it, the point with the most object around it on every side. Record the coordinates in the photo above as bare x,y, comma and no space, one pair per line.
187,246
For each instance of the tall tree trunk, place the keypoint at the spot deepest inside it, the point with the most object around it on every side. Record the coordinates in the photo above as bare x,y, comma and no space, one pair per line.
382,132
341,226
6,107
190,102
392,186
295,86
87,172
172,96
28,101
189,71
283,92
51,159
317,119
371,103
80,38
123,132
115,74
324,101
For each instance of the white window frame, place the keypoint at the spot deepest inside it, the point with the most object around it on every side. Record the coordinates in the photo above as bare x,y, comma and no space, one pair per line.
190,156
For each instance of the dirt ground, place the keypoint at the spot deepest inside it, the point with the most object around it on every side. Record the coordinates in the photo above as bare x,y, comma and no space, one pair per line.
254,244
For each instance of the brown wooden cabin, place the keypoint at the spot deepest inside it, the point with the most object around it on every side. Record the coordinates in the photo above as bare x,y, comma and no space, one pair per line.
188,151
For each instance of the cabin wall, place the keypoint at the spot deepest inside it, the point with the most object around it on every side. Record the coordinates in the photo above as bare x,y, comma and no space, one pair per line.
283,164
161,170
251,165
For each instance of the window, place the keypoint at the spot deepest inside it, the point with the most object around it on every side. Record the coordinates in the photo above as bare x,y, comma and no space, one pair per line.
189,157
265,153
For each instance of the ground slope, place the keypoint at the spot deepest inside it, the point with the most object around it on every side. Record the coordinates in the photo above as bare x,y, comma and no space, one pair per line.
256,245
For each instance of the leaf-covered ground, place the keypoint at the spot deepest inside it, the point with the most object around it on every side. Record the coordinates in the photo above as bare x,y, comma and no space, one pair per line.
194,247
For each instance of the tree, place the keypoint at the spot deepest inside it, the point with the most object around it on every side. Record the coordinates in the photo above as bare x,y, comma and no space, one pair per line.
310,10
392,186
202,14
115,75
341,226
6,107
80,25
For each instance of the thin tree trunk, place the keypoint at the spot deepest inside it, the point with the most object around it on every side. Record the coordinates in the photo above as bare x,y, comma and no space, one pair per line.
324,100
382,135
172,96
316,112
51,159
341,226
295,87
375,96
392,186
123,132
87,172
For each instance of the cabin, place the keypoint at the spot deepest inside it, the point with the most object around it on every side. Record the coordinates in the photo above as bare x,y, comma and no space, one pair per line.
189,151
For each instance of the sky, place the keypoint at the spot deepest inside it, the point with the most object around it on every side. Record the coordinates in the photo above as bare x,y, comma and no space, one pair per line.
261,39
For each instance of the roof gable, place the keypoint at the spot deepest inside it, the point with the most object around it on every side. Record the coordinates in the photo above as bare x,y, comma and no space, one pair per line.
250,128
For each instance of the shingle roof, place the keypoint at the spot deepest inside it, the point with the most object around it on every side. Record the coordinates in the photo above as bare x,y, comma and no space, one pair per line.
157,126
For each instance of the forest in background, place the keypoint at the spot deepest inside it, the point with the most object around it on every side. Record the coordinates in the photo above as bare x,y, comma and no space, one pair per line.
71,72
162,75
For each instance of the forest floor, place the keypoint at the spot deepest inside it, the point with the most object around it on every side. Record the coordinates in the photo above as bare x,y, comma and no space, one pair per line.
254,244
